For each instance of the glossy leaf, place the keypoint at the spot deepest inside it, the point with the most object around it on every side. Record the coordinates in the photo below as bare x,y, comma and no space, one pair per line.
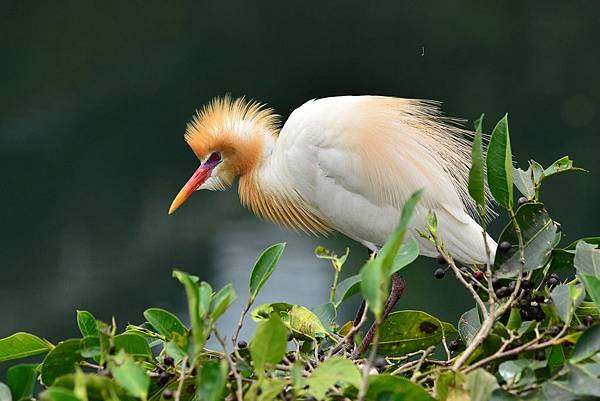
263,268
408,331
326,314
211,380
221,301
61,360
374,285
477,171
565,299
165,323
58,394
409,251
304,321
524,182
561,165
333,370
98,388
587,345
22,345
512,370
481,385
133,344
193,298
395,388
587,259
347,288
539,234
592,287
469,324
268,344
131,376
269,390
584,382
499,164
86,323
21,380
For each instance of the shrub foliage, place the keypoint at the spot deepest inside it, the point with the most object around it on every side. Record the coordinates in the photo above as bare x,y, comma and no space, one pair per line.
532,332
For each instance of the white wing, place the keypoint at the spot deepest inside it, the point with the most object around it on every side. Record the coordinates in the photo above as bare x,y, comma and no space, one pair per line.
357,159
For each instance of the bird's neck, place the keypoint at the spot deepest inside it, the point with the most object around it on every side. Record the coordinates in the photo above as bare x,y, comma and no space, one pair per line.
269,193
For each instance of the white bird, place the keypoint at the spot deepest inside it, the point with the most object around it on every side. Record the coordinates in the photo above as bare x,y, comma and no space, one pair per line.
344,164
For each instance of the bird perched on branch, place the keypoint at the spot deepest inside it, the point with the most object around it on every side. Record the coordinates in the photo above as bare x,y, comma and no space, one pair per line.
344,164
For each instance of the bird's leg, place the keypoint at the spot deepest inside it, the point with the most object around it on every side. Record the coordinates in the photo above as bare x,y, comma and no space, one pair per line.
398,285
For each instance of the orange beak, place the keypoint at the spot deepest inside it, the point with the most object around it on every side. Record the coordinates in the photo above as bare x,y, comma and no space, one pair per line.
199,177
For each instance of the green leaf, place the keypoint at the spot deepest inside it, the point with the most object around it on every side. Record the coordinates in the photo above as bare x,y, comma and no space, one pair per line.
269,390
98,388
5,393
469,324
592,286
268,344
524,182
193,298
583,382
451,386
131,376
374,285
481,385
61,360
347,288
165,323
587,345
211,380
561,165
395,388
587,259
263,268
409,251
477,173
87,323
539,234
565,298
499,164
326,314
304,321
408,331
333,370
21,380
205,296
511,371
221,301
22,345
133,344
58,394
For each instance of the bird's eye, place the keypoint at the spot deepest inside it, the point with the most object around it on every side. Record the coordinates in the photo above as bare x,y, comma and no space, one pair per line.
215,157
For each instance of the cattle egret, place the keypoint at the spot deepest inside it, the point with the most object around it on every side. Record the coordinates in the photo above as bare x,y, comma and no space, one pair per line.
344,164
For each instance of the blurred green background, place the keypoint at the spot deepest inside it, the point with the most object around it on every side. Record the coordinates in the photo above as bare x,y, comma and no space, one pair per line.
96,95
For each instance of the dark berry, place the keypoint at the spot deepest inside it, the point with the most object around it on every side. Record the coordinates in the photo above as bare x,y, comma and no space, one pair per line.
502,292
552,281
588,320
290,336
539,299
553,330
504,246
478,274
242,344
441,259
554,275
167,394
168,361
539,314
522,200
495,282
453,346
380,363
526,284
439,273
524,302
164,378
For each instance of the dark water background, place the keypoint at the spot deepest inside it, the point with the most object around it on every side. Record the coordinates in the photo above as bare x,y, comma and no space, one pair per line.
95,97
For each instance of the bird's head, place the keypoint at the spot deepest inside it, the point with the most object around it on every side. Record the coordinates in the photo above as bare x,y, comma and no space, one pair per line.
230,138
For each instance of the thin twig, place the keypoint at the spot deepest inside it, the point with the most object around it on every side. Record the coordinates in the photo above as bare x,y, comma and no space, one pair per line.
348,338
177,395
420,361
238,379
